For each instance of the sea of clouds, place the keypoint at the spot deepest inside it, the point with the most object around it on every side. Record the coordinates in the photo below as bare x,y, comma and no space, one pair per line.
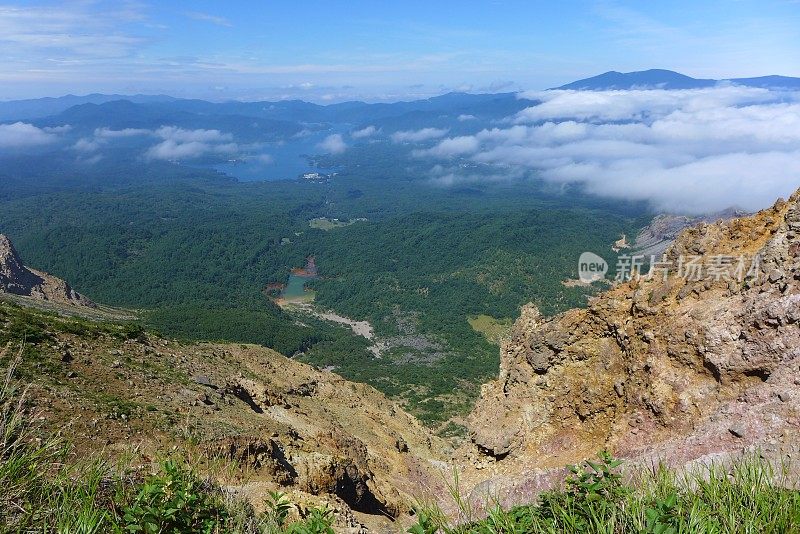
688,151
685,151
171,142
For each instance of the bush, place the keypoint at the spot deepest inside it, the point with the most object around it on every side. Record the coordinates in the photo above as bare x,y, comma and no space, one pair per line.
318,521
592,496
175,501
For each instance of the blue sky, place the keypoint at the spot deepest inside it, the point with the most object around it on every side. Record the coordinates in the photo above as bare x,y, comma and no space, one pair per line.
378,50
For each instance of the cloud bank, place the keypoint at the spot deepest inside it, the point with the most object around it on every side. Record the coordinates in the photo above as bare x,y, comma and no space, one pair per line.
102,136
417,136
333,144
180,144
24,135
176,143
108,133
689,151
368,131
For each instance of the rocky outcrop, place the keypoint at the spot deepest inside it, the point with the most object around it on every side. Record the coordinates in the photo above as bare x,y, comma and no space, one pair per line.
17,279
656,237
277,423
699,362
354,455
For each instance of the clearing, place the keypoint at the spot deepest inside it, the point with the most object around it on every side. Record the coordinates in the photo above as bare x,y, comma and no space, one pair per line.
493,329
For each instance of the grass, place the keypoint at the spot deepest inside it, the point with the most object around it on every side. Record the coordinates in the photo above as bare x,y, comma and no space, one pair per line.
494,330
44,488
748,496
324,223
36,326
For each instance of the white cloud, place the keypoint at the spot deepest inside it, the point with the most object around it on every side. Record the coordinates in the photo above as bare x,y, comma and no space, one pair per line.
305,132
173,133
87,144
181,144
466,117
174,150
64,128
90,160
417,136
634,104
369,131
455,146
108,133
23,135
691,151
73,30
333,144
213,19
176,143
103,136
457,177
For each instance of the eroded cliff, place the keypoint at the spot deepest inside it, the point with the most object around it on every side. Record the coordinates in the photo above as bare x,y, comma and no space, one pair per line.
17,279
698,363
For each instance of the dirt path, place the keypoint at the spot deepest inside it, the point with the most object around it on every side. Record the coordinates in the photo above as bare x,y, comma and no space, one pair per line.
359,328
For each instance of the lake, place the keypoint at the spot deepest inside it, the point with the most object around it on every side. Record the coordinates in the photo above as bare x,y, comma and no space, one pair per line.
287,159
294,290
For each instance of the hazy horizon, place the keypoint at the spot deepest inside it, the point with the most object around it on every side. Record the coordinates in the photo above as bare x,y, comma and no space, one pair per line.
689,147
322,53
375,99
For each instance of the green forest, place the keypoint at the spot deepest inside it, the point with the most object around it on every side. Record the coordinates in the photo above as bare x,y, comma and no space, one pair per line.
193,250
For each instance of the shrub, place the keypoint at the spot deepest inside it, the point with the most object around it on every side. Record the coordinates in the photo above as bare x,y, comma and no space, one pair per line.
593,496
175,501
318,521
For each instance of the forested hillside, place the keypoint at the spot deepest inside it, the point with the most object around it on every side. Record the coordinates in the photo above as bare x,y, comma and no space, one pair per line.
202,255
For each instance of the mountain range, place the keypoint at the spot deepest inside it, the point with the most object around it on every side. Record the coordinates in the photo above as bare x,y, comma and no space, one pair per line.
296,111
667,79
486,105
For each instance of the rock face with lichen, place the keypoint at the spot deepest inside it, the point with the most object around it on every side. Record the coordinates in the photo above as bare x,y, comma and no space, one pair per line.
17,279
676,367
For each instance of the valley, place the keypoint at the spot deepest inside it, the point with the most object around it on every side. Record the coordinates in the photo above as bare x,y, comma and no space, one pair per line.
192,250
614,375
286,317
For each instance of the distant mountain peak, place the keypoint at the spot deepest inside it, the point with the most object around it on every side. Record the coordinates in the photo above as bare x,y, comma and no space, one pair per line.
668,79
652,78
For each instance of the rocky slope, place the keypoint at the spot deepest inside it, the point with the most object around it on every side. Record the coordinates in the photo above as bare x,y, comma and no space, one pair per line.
683,367
17,279
691,366
656,237
282,424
